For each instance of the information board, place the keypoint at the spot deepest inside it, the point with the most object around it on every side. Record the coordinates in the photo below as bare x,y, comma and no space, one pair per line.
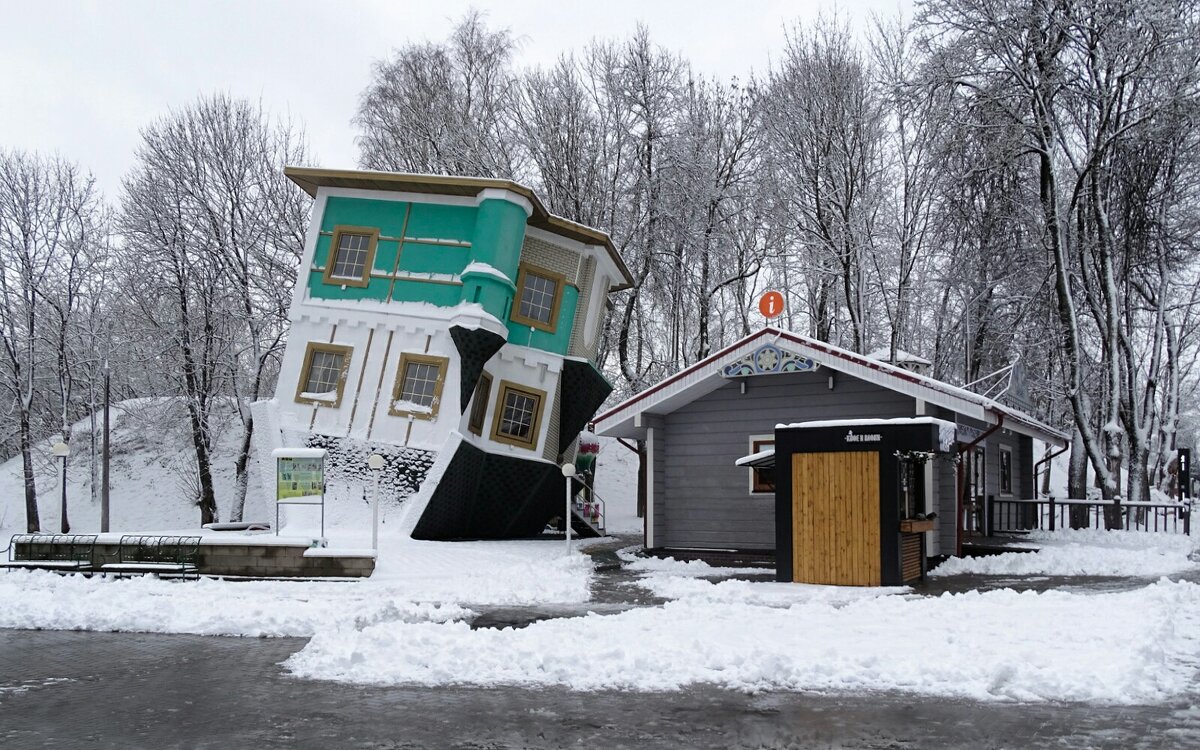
300,479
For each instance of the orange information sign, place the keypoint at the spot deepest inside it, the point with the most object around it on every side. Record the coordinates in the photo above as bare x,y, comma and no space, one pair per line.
771,305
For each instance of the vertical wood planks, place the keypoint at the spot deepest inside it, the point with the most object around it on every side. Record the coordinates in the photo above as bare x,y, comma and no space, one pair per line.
835,518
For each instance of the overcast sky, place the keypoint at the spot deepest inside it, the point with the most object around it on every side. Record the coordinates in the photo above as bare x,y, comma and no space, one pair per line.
81,78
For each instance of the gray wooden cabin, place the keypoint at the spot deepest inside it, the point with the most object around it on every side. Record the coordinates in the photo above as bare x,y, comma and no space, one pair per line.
697,423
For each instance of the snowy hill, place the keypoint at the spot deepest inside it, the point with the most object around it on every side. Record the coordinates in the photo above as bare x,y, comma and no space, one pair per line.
151,477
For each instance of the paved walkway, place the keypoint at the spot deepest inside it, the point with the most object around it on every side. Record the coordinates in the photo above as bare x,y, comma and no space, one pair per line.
102,690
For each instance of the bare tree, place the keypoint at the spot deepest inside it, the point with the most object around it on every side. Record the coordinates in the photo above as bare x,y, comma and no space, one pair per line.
208,208
49,217
442,108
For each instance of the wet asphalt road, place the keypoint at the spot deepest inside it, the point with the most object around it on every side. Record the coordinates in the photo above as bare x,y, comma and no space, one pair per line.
109,690
132,690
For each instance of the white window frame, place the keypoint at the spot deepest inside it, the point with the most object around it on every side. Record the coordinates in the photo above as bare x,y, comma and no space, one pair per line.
770,438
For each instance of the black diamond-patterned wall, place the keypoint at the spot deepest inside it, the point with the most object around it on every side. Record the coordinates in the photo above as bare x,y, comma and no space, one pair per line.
346,463
475,347
583,391
485,496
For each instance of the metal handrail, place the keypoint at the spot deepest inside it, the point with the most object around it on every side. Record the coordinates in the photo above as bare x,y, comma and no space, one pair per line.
595,497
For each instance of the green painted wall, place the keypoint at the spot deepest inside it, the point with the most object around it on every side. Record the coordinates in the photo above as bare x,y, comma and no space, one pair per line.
496,232
421,257
499,234
388,216
442,295
431,221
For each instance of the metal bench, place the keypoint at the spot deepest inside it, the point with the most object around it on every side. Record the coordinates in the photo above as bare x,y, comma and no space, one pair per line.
62,552
160,555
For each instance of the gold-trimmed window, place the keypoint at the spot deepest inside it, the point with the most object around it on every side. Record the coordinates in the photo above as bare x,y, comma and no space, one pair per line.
418,388
762,481
351,255
323,376
479,404
518,415
539,294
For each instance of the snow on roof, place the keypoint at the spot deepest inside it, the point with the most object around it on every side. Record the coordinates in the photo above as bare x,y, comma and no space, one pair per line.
862,422
885,355
704,377
756,459
298,453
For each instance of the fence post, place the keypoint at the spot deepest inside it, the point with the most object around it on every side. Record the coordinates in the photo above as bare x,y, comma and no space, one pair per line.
1187,520
1052,512
987,515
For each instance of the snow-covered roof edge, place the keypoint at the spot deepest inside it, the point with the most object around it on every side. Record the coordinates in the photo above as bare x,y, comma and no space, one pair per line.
936,392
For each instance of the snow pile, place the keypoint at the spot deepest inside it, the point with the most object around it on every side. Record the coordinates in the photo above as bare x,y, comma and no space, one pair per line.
671,567
47,601
1084,552
494,572
415,582
1123,648
763,594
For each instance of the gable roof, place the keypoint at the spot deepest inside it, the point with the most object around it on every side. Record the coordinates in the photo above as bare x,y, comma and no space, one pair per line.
704,377
310,179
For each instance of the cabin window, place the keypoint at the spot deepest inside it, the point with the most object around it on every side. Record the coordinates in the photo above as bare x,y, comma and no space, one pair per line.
540,295
762,481
351,255
1006,471
323,375
479,403
418,389
518,415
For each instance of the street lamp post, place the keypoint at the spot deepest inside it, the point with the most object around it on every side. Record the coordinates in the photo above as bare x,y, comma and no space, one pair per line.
62,450
568,472
375,463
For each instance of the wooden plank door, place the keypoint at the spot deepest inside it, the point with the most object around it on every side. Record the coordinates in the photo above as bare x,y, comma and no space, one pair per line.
835,518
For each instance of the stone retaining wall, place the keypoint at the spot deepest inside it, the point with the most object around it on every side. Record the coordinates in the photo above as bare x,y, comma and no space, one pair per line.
261,561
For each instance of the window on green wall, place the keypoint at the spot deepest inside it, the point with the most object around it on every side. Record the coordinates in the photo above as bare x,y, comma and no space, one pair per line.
541,294
351,255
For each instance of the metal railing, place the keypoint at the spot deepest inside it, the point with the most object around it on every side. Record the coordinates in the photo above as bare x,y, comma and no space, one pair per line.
1050,514
591,508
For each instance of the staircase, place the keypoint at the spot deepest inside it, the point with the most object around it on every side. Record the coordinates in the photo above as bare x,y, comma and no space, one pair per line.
587,512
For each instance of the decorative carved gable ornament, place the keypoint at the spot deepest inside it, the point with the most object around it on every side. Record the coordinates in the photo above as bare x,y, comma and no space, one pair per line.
769,359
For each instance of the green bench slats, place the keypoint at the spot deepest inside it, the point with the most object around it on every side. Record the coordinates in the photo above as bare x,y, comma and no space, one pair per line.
146,553
60,552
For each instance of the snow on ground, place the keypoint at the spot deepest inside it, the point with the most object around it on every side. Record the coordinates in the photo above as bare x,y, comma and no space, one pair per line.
1129,647
416,581
1085,552
616,484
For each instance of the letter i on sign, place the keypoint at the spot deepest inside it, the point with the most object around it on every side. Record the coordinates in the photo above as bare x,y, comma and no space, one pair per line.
771,305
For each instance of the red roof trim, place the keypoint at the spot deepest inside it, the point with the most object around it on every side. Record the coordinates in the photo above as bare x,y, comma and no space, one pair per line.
679,375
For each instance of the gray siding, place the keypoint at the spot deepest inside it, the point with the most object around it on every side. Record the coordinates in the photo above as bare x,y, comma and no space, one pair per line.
947,505
658,480
1022,476
705,500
